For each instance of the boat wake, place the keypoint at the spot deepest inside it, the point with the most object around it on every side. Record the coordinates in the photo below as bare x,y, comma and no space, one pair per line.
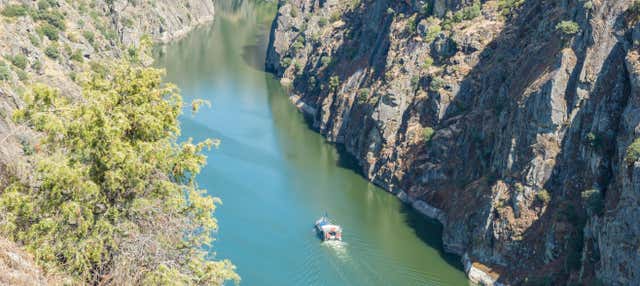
339,248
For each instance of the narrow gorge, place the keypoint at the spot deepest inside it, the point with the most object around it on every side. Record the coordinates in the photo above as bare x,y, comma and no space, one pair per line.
513,123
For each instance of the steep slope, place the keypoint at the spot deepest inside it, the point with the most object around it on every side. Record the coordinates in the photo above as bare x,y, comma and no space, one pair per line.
510,122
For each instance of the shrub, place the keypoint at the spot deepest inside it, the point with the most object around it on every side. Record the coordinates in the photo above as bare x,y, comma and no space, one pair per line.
436,84
568,28
14,10
19,61
49,31
52,52
323,22
326,60
411,24
298,44
34,39
335,16
334,82
5,72
52,17
427,134
428,62
432,32
115,189
633,152
506,7
363,95
543,196
593,200
286,62
89,36
37,65
77,56
22,75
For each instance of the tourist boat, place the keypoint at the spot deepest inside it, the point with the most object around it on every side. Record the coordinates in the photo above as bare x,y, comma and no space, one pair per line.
328,231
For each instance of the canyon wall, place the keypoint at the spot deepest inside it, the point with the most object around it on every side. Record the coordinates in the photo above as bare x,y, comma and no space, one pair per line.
511,122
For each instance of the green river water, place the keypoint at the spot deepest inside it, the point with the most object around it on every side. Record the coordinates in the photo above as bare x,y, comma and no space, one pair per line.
276,176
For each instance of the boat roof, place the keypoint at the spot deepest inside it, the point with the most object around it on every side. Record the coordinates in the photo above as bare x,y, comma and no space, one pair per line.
329,227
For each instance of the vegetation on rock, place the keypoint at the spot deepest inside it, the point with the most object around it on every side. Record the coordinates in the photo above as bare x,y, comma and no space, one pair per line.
633,152
568,28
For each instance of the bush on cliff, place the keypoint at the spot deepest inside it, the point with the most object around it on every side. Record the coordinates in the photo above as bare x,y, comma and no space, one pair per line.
14,10
568,28
113,198
633,152
427,134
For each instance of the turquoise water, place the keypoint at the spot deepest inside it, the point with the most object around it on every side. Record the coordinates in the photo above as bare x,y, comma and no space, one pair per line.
276,176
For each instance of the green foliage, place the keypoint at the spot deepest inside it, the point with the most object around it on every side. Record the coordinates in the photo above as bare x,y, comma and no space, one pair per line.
323,22
334,83
633,152
436,84
299,43
52,52
468,13
543,196
568,28
22,75
363,95
52,17
326,60
427,134
294,11
49,31
15,10
89,36
286,62
593,200
412,25
34,39
335,16
506,7
37,65
108,171
19,61
428,62
5,72
432,31
77,56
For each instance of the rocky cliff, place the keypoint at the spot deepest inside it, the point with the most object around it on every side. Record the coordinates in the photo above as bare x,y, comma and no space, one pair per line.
53,41
514,123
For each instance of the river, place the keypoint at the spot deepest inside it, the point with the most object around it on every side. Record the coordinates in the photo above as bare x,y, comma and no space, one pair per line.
276,176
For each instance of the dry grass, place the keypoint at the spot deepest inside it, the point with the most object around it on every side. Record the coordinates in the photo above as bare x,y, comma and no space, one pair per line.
18,268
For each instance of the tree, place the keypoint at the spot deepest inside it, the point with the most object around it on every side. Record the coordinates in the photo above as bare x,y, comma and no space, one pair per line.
568,28
114,196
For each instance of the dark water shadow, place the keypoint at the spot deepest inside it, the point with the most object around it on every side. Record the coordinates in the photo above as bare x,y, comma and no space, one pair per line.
430,232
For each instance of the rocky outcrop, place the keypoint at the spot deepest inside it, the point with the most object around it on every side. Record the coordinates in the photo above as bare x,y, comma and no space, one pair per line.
163,20
513,127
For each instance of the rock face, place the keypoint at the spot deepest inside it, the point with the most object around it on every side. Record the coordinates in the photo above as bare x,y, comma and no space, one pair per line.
510,130
91,31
